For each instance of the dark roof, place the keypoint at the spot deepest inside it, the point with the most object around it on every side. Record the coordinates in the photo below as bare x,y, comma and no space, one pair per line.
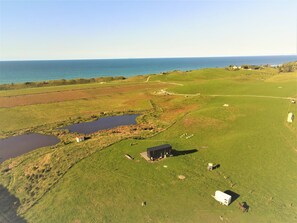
160,147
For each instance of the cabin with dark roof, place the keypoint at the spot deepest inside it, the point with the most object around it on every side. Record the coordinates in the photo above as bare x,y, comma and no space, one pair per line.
160,151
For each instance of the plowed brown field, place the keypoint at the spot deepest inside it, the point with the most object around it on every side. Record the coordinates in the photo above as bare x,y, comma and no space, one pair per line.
59,96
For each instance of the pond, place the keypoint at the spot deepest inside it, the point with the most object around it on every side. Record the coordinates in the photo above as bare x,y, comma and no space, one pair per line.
103,123
17,145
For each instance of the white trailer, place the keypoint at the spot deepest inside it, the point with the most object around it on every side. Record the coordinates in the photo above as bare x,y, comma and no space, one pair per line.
290,117
223,198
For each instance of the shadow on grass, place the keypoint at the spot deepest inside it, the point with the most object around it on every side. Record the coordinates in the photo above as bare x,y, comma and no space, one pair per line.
216,166
233,195
8,207
183,152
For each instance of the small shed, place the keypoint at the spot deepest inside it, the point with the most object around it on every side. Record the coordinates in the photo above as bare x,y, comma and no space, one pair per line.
290,117
210,166
160,151
222,197
80,138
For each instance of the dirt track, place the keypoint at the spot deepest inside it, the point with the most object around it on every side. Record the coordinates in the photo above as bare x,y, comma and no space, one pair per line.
228,95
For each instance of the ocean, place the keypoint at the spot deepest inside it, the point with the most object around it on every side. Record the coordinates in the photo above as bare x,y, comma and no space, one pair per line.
28,71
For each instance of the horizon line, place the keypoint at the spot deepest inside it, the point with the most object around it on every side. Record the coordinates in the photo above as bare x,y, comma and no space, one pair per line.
139,58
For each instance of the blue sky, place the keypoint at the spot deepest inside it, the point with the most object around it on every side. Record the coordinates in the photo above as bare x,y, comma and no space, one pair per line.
75,29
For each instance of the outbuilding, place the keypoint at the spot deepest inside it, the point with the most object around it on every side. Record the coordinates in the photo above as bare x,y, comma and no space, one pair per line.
158,152
80,138
290,117
210,166
223,198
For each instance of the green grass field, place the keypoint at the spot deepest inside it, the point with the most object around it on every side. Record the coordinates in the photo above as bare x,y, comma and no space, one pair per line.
250,139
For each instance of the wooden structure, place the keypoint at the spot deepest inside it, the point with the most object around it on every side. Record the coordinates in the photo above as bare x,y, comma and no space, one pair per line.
129,157
242,207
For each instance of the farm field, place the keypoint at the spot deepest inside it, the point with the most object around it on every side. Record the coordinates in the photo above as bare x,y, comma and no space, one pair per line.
92,181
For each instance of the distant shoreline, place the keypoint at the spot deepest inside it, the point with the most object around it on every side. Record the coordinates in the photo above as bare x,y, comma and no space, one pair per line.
38,71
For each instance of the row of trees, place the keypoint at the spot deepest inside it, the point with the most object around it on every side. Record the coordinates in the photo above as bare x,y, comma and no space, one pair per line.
59,82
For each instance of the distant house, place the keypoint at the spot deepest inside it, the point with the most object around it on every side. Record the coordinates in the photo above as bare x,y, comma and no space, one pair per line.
80,138
158,152
290,117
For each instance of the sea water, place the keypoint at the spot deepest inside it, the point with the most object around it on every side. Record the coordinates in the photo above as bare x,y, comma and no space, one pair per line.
28,71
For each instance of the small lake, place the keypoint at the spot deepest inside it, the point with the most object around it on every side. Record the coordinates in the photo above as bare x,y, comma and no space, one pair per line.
17,145
102,124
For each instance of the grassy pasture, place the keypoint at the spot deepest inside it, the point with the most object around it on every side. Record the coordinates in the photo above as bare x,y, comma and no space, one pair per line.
251,140
39,111
252,161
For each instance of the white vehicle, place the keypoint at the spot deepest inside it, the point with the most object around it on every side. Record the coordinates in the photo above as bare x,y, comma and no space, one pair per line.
223,198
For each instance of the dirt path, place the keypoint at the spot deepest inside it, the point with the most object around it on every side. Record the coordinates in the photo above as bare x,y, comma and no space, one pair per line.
252,96
173,83
163,82
227,95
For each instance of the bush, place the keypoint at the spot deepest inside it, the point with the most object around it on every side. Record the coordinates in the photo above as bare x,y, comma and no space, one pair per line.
29,84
